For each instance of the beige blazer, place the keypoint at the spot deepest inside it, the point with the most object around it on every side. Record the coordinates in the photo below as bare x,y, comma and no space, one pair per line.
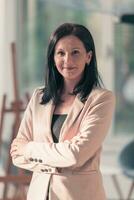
70,167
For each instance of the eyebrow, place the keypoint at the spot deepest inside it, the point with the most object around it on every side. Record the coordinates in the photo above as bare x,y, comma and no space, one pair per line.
76,48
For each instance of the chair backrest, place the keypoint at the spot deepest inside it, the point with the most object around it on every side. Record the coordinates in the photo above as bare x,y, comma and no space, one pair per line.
126,157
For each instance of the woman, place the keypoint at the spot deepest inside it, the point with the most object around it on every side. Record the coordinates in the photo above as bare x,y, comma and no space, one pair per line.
63,128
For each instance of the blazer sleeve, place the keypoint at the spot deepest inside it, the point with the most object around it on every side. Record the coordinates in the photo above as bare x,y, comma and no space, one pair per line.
26,132
79,149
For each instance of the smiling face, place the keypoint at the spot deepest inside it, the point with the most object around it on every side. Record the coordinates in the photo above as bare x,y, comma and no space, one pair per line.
70,57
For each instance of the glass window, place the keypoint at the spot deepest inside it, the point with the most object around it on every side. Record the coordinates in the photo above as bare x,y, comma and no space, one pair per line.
124,78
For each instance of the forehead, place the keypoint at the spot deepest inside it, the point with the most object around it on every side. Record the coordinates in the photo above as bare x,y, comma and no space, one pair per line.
69,42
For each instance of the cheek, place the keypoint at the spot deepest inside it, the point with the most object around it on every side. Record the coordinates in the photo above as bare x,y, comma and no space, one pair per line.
81,65
57,61
58,65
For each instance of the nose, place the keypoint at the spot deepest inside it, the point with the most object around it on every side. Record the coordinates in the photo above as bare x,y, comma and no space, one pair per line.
68,59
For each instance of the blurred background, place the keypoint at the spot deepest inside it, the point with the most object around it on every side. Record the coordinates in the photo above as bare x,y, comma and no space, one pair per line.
25,27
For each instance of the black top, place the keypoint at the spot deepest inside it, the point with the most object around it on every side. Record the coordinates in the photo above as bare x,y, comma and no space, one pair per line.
57,122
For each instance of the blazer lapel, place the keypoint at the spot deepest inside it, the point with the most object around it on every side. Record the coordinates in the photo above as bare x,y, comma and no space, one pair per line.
46,115
46,119
72,115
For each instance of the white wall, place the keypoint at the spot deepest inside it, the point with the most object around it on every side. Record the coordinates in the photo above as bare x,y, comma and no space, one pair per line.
7,35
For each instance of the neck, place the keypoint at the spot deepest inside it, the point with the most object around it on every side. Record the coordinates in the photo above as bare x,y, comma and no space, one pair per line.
69,86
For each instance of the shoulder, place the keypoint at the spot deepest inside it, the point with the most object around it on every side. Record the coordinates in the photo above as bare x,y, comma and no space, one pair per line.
101,95
96,92
37,94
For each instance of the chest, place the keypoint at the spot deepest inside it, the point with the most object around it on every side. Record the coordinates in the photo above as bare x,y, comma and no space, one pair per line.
42,120
65,106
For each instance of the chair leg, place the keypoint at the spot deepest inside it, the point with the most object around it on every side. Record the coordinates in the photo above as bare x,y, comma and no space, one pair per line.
130,191
20,193
5,190
117,187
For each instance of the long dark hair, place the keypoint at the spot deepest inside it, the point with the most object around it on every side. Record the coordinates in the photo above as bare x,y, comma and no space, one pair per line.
53,79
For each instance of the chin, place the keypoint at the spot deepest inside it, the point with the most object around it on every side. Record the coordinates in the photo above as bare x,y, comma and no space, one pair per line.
69,78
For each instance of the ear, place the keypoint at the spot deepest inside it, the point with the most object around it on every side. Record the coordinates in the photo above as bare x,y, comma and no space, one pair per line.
89,57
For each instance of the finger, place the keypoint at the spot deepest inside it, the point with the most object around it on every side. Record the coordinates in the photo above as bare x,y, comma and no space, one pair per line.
14,142
14,155
17,142
20,140
14,145
13,152
14,148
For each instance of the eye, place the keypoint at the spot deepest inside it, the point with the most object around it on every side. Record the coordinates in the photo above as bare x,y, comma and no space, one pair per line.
60,53
75,52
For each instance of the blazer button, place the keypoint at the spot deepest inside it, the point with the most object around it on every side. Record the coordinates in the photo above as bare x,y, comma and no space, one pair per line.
49,169
45,170
40,160
35,160
31,159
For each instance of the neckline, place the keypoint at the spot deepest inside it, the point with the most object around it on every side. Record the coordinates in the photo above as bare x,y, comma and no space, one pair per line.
58,114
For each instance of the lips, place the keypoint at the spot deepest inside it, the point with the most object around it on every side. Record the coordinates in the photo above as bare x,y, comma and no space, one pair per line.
69,68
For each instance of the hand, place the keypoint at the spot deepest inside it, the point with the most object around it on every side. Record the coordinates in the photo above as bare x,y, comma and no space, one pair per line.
18,146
